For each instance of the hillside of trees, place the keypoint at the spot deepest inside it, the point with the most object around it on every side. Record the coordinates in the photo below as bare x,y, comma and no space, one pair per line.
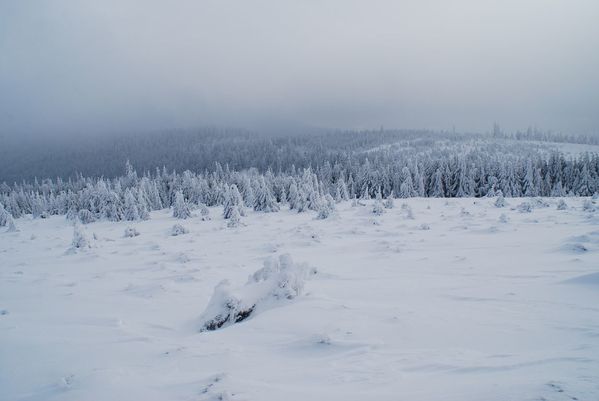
305,173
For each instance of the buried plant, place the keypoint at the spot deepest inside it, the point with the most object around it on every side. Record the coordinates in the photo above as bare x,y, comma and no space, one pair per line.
279,281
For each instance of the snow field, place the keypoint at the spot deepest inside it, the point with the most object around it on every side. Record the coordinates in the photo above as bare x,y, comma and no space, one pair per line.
451,301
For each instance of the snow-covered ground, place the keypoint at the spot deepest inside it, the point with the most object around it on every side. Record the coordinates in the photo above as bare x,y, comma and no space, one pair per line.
457,303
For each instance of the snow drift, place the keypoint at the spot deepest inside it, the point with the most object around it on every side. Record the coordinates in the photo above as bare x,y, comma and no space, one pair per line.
279,281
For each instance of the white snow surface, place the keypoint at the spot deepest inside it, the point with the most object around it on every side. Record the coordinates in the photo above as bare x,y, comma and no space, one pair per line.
472,308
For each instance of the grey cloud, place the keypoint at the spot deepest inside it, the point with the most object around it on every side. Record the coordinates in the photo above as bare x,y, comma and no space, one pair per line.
96,66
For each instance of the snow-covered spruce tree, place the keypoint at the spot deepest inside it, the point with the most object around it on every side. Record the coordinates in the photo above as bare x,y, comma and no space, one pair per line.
377,208
180,207
234,218
3,216
326,208
130,213
265,201
437,186
232,200
500,201
341,191
143,207
293,197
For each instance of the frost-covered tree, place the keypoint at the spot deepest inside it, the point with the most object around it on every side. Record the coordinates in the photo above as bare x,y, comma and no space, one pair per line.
180,207
265,201
326,208
233,200
10,223
234,218
131,212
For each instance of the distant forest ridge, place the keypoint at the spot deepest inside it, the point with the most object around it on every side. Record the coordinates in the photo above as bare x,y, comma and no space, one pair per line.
304,173
24,159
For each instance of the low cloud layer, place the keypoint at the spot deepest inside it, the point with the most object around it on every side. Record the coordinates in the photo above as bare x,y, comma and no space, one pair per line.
99,66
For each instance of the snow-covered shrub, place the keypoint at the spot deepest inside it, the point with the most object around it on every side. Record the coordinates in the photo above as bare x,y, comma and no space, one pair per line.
85,216
80,240
464,212
389,202
377,208
10,223
561,205
500,201
204,212
503,218
279,281
180,207
425,227
326,208
407,210
178,229
539,203
131,232
234,218
524,207
588,206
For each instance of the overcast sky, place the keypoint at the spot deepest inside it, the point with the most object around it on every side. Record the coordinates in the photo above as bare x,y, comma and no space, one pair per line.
114,65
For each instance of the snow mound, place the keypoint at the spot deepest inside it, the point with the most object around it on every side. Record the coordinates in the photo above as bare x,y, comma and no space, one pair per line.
587,279
178,229
574,248
279,281
131,232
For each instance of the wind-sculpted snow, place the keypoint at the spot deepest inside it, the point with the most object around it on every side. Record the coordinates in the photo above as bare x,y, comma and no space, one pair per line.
279,281
434,299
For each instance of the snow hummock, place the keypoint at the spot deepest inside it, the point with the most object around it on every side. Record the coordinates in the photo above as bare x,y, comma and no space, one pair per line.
279,281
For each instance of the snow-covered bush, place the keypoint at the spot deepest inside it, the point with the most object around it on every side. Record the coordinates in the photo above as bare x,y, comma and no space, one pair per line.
588,206
234,218
279,281
131,232
540,203
503,218
377,208
180,207
326,208
178,229
389,202
80,240
524,207
407,210
500,201
425,227
561,205
10,223
204,212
